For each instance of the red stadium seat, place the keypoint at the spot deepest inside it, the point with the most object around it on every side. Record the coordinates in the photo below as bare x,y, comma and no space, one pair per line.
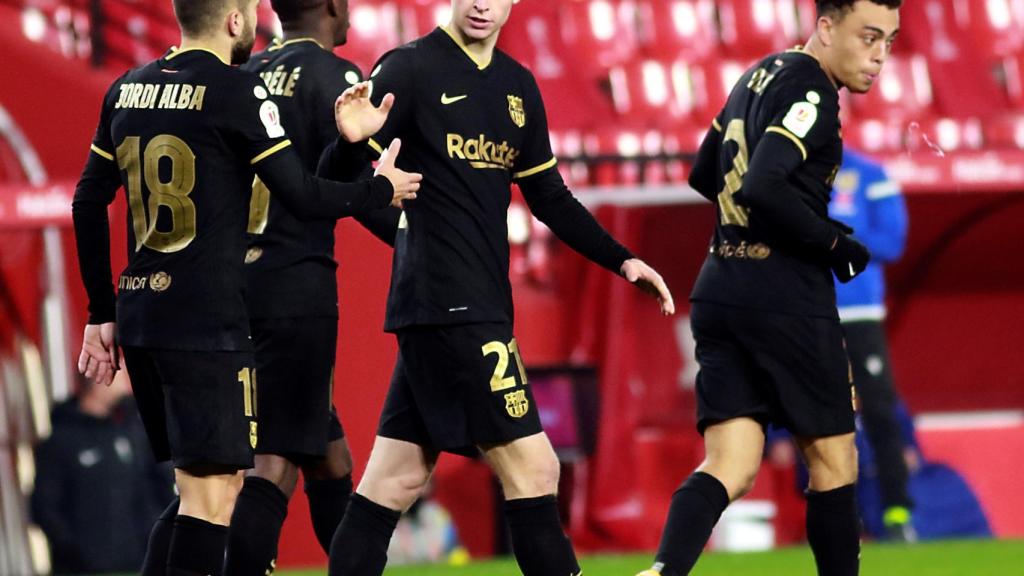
531,38
754,28
418,17
652,92
712,82
600,34
875,135
374,30
671,29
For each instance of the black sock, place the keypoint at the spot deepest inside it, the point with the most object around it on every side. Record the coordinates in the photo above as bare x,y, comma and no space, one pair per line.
833,530
693,513
538,540
197,548
255,528
327,502
155,562
360,545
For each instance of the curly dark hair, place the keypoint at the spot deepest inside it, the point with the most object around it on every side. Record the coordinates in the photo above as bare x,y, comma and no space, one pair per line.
839,8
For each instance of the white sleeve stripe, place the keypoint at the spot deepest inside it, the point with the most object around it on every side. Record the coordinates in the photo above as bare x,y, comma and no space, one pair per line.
882,190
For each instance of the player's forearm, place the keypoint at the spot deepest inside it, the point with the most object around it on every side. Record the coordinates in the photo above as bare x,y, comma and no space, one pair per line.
550,200
382,223
93,194
344,161
309,198
776,205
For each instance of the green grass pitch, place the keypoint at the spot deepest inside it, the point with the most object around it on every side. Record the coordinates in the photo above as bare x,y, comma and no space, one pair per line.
954,558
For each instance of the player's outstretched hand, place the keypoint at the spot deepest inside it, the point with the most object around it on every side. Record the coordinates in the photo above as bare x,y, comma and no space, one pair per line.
405,183
357,118
848,258
647,279
99,360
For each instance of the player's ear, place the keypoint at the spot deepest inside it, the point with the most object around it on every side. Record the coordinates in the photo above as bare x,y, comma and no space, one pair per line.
826,27
236,23
332,10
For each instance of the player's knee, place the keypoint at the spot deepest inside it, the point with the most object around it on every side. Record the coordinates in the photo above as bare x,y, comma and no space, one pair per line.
277,469
834,471
539,478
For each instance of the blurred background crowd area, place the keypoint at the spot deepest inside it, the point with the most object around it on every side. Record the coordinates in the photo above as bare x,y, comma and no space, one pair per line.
630,87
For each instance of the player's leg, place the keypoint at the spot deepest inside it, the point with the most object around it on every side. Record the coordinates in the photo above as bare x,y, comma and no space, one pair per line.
149,399
876,395
733,450
399,467
833,525
328,487
731,409
294,359
395,476
201,527
210,413
528,471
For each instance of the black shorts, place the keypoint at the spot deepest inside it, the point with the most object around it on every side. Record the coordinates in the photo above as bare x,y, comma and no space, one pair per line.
458,387
791,371
198,407
295,382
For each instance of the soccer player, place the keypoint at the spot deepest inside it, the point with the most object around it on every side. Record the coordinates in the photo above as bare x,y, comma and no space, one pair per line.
868,201
292,299
185,134
473,123
769,343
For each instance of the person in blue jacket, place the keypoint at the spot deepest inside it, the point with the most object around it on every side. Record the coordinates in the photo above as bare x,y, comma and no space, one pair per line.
865,199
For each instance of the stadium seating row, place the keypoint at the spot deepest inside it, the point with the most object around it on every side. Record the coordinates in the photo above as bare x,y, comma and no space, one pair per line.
644,77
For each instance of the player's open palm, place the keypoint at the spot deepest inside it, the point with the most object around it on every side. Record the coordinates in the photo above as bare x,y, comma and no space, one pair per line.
405,183
99,358
647,279
356,116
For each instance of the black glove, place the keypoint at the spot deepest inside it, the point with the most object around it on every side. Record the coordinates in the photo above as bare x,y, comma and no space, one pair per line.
848,258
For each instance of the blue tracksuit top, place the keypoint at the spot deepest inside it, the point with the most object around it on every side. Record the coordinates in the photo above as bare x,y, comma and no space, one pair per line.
865,199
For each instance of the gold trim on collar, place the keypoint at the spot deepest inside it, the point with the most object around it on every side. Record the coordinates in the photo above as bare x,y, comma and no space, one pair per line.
480,65
175,52
278,43
800,50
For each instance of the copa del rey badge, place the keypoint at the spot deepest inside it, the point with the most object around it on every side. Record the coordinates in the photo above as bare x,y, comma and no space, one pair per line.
800,118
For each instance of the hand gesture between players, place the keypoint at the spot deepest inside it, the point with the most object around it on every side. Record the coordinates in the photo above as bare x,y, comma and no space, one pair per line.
99,359
356,117
405,183
644,277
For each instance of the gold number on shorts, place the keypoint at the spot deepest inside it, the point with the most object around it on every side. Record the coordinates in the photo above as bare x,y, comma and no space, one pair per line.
172,194
248,379
733,214
259,207
498,380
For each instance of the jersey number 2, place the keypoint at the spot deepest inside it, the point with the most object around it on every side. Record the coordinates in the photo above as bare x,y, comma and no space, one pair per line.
732,213
172,194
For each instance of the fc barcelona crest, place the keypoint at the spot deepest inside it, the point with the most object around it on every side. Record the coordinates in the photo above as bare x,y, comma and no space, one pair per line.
516,111
517,404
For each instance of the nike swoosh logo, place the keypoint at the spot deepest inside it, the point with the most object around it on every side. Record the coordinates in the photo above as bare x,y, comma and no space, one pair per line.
445,100
852,273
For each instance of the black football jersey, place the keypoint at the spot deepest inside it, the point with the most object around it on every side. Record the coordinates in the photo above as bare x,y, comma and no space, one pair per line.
185,132
471,129
290,266
786,100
